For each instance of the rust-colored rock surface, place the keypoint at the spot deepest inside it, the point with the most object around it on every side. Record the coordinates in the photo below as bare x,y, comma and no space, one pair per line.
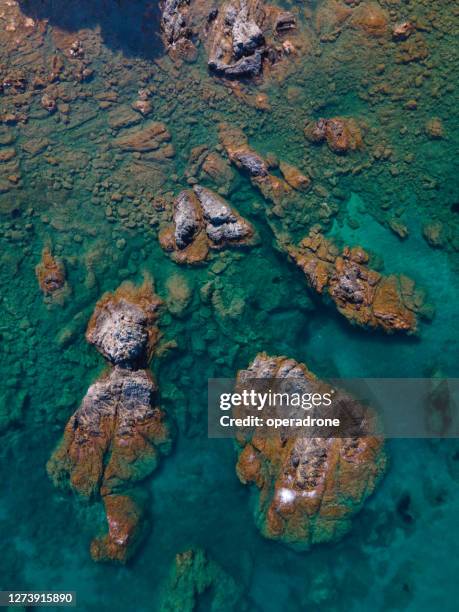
362,295
115,437
203,220
124,518
309,488
50,273
341,134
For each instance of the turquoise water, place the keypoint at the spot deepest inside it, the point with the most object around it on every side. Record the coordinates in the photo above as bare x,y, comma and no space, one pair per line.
401,553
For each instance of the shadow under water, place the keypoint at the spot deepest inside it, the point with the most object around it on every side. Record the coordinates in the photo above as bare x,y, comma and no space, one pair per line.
129,27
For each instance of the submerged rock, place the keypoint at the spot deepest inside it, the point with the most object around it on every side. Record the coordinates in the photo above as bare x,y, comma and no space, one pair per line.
50,273
361,294
203,220
148,138
342,134
309,488
193,578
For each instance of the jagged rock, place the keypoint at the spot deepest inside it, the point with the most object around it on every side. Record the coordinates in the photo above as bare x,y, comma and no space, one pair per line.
309,488
239,152
401,31
186,219
361,294
243,34
203,220
122,326
177,28
50,273
115,437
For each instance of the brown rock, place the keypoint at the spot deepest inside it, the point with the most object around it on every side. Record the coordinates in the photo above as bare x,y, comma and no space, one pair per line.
309,488
294,177
361,294
50,273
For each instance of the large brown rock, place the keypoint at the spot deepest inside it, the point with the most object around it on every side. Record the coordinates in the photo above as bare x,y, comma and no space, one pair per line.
309,488
115,437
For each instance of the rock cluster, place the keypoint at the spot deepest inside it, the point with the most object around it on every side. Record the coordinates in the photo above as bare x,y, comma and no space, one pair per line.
256,167
203,220
342,134
309,488
115,437
241,35
365,297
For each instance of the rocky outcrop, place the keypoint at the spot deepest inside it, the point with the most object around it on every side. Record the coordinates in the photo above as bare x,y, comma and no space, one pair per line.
177,28
242,36
309,488
273,188
365,297
342,134
122,327
50,274
203,220
115,437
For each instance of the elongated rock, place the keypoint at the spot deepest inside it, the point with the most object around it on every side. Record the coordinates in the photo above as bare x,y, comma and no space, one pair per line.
117,434
365,297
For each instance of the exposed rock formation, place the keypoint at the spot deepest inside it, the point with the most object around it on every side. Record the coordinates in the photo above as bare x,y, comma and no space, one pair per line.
177,28
122,327
50,273
242,34
115,437
203,220
309,488
342,134
275,189
361,294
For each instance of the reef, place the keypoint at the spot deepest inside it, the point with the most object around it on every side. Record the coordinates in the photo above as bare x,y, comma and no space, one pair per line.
203,220
308,488
194,577
116,436
362,295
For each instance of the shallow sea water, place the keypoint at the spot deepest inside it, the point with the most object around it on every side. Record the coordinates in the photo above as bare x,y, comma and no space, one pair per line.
401,553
